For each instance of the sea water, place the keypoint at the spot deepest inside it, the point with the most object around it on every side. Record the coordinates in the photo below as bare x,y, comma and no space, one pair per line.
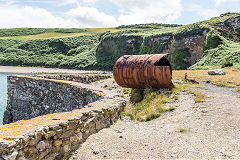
3,94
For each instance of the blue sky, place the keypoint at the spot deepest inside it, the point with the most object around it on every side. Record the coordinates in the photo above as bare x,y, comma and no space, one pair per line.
108,13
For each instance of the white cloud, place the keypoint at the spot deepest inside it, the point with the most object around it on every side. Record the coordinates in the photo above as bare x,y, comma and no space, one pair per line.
14,16
132,12
204,13
91,17
209,13
67,2
150,11
8,2
77,2
36,17
219,2
90,1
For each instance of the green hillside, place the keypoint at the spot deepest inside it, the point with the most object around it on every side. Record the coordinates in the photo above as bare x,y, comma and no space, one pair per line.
214,43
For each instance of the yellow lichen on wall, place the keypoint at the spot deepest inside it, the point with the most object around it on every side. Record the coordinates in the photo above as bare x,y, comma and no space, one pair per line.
12,130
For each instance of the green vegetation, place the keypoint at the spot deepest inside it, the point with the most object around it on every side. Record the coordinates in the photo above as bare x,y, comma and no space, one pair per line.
221,84
127,90
99,48
177,59
183,130
227,54
199,97
149,108
46,36
185,87
51,52
139,94
35,31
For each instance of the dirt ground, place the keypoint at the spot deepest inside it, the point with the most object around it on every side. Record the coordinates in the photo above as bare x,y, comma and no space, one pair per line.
203,130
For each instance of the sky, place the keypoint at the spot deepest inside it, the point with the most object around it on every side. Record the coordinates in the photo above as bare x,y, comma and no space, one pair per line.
108,13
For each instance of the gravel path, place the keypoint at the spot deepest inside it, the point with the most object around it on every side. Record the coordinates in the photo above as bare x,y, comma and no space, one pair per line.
210,130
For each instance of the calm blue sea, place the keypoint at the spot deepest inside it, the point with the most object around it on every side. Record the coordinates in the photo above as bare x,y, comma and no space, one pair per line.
3,94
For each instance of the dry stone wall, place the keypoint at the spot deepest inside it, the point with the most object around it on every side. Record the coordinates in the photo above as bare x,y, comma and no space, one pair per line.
30,97
54,136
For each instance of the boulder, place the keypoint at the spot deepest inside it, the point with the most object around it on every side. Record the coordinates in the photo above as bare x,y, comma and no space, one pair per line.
217,72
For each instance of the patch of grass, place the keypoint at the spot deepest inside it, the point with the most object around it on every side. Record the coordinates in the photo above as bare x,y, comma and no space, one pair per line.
221,84
151,117
149,108
140,95
238,96
199,97
122,95
238,89
184,87
175,97
127,90
183,130
231,79
46,36
204,106
171,108
102,30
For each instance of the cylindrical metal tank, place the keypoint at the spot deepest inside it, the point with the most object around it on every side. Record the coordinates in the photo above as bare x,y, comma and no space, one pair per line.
143,71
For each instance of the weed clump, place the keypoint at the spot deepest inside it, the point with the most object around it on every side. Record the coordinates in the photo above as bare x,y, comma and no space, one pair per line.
199,97
150,107
183,130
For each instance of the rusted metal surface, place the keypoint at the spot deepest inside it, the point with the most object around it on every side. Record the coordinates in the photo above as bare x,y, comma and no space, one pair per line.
143,71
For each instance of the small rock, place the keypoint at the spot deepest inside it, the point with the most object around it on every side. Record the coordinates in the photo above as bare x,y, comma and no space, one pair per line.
126,118
96,151
221,150
118,131
120,136
216,72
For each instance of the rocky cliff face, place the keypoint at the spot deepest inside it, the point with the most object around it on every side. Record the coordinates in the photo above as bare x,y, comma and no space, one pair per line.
183,52
185,46
230,28
186,51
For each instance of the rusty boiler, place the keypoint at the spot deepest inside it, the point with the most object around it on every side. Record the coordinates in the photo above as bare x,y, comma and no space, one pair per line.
143,71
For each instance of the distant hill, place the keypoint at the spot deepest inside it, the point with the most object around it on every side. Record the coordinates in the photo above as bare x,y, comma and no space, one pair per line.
214,43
